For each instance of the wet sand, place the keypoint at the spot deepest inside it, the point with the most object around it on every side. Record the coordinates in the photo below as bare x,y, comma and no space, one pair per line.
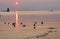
26,29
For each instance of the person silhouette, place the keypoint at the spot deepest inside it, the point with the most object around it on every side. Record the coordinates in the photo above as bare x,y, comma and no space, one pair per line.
41,22
8,10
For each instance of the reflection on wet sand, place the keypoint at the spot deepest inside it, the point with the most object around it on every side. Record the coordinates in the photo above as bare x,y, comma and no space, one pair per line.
17,23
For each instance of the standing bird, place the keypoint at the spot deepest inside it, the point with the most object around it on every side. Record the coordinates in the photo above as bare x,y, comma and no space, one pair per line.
4,22
34,27
8,23
24,25
13,24
21,23
35,22
42,22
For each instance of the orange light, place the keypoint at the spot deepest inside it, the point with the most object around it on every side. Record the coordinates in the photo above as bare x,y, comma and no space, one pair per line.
17,23
16,3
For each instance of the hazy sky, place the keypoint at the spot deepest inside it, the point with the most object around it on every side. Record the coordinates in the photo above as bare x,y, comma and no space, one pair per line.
30,4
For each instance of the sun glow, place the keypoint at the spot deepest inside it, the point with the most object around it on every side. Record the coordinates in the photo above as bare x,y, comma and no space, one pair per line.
16,3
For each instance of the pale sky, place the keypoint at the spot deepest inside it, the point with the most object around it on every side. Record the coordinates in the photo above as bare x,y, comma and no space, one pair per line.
30,4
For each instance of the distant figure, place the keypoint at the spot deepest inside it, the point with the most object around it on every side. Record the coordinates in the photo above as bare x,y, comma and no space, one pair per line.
21,23
8,10
13,24
51,28
50,31
4,22
24,25
42,22
35,22
51,10
8,23
37,36
34,27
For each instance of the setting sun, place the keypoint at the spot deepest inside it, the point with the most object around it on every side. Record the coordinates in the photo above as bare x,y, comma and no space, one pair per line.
16,3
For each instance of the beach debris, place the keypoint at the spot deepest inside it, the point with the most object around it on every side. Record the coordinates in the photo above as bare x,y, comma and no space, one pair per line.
51,28
8,10
55,31
37,36
41,22
41,35
13,24
45,34
51,10
24,25
50,31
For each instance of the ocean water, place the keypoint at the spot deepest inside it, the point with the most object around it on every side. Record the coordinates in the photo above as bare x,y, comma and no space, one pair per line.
28,18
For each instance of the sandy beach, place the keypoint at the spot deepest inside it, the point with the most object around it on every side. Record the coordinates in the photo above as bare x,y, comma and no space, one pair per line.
50,29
